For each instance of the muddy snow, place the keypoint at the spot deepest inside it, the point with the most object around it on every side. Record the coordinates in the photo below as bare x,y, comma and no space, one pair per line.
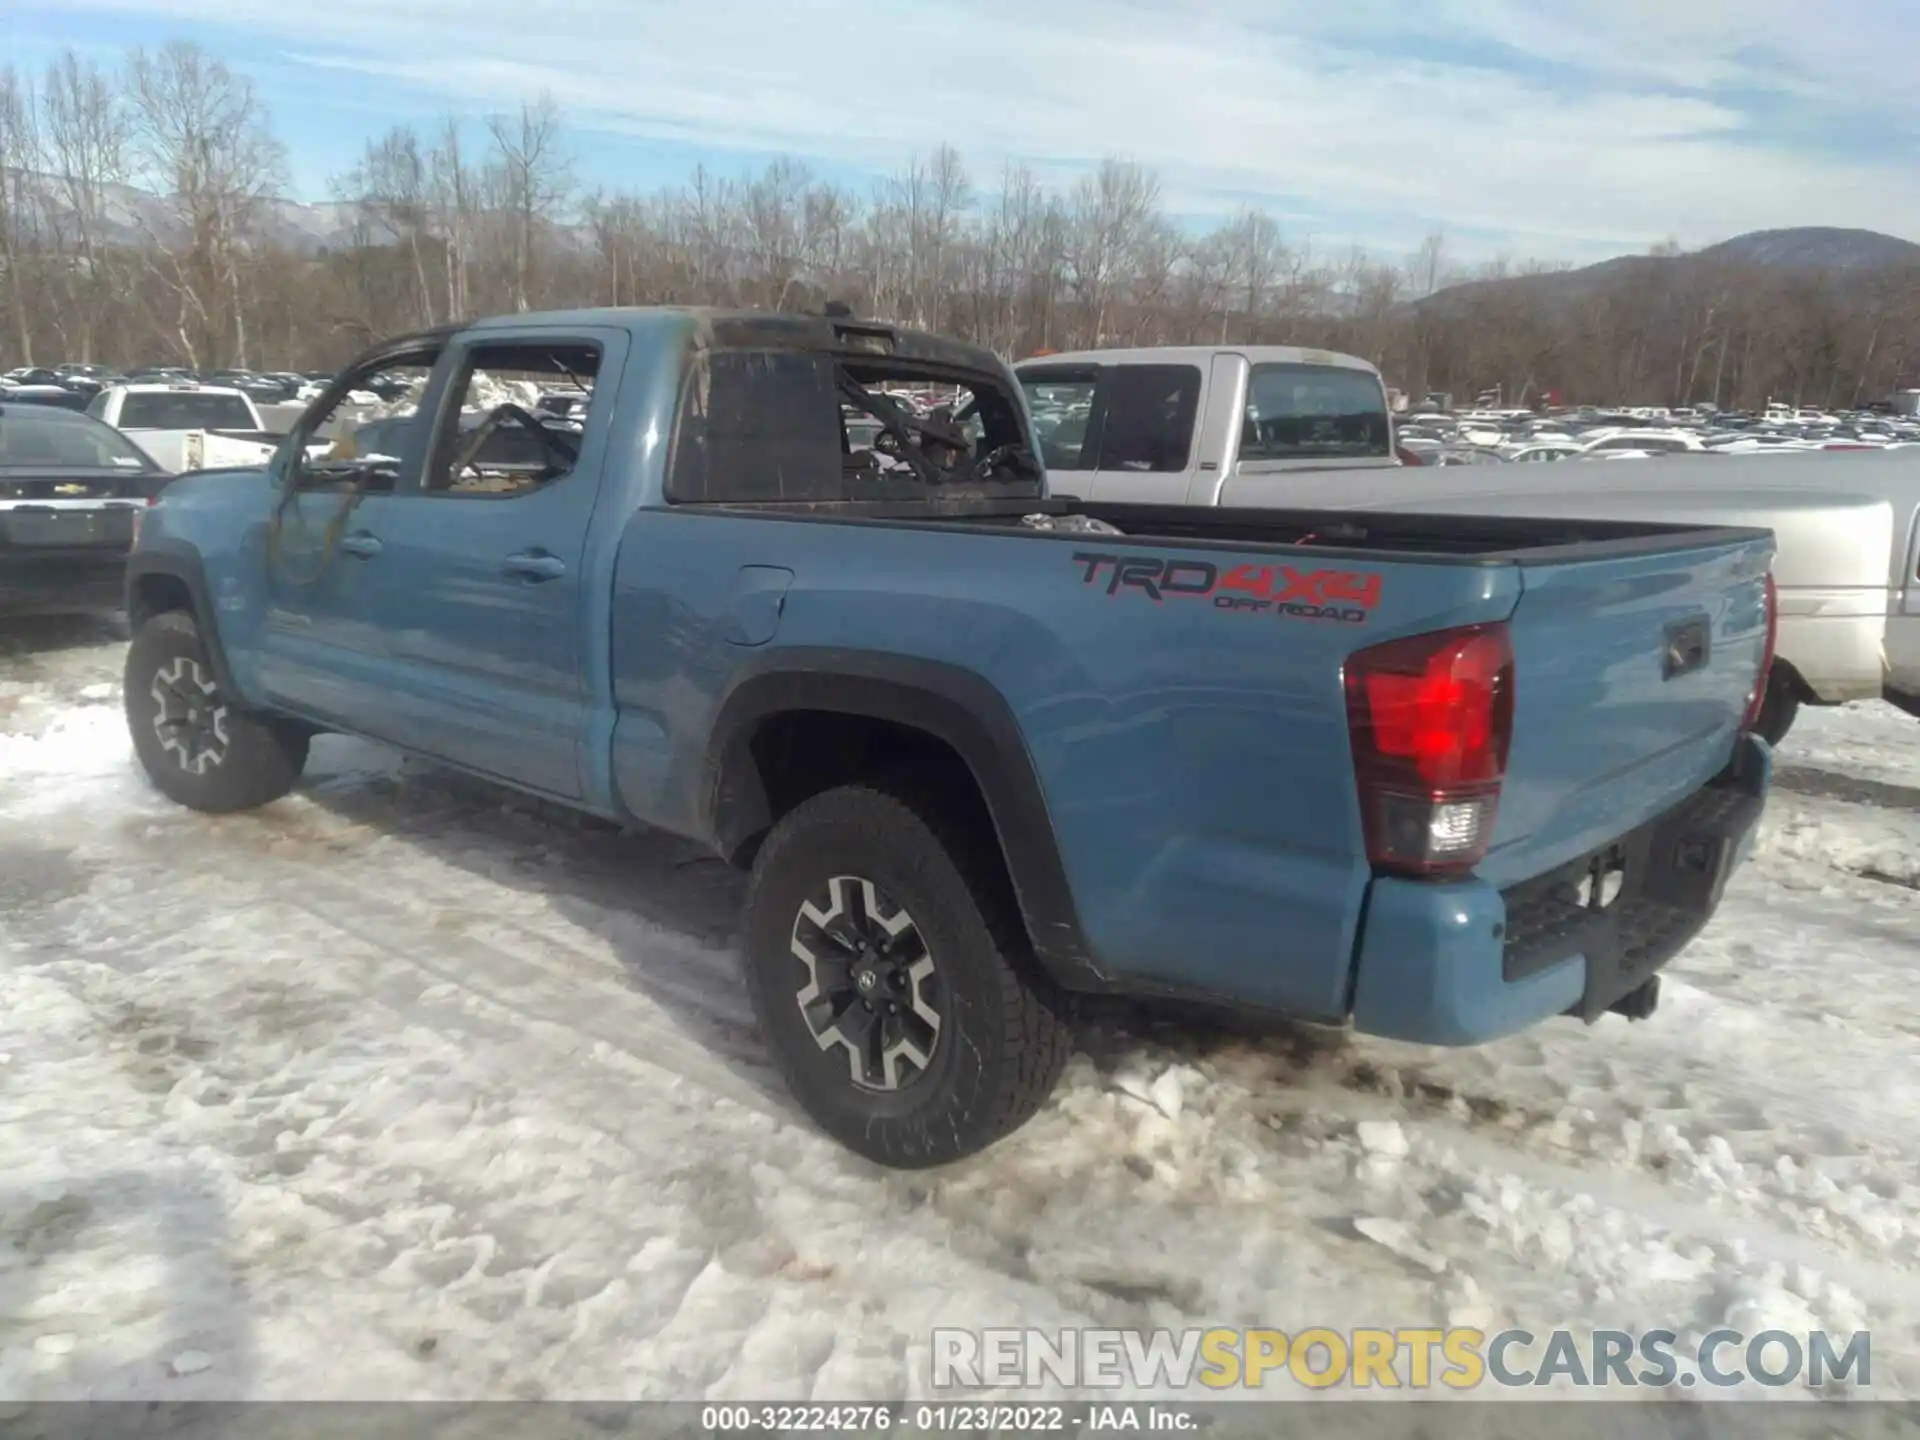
408,1087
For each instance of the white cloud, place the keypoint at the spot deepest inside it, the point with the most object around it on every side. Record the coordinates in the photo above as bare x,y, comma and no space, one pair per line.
1224,97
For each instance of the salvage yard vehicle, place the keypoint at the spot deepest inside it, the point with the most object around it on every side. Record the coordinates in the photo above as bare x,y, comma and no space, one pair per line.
1887,478
1240,427
187,426
71,490
983,750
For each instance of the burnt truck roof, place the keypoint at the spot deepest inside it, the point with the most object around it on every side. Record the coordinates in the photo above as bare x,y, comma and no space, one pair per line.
755,329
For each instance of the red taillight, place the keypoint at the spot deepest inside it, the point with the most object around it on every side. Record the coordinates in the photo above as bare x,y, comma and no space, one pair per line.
1430,718
1768,648
1408,457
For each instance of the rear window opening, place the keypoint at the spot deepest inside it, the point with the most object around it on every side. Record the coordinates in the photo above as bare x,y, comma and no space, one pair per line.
1314,412
796,426
184,410
41,438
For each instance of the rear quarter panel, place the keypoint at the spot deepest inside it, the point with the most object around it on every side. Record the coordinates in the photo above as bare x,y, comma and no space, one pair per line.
1194,760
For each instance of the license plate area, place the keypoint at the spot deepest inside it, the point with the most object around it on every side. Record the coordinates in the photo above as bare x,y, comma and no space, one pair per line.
68,528
1631,906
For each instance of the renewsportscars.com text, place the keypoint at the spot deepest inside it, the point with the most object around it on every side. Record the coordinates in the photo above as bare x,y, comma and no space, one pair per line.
1319,1358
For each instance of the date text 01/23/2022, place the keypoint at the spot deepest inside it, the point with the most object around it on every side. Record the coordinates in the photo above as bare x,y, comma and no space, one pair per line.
965,1417
1340,595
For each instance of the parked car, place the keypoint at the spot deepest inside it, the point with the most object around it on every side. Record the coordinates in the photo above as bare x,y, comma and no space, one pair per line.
1887,478
32,375
1831,570
75,370
82,379
70,489
564,404
1533,452
981,748
187,426
1643,442
1139,435
58,397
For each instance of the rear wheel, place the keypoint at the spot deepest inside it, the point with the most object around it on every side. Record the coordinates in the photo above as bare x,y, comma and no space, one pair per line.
196,747
891,976
1778,707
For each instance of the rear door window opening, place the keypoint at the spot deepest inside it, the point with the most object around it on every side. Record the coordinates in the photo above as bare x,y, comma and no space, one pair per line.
773,425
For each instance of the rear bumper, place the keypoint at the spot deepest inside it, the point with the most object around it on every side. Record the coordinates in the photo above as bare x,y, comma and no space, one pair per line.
90,586
1458,964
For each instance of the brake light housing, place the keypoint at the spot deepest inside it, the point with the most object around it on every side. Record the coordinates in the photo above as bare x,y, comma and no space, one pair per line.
1430,719
1769,647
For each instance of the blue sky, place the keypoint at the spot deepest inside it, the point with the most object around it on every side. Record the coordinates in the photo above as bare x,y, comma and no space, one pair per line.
1568,129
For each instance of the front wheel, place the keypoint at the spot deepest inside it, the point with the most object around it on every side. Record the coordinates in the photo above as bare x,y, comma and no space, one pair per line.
891,976
197,748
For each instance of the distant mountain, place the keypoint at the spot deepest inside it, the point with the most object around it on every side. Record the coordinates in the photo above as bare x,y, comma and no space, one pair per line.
1816,247
132,216
1813,249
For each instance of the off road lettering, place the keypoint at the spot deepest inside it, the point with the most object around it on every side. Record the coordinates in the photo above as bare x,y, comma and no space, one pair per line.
1320,587
1341,595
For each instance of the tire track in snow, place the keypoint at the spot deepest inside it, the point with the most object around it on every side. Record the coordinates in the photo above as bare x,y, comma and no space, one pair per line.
1820,784
564,1004
455,1256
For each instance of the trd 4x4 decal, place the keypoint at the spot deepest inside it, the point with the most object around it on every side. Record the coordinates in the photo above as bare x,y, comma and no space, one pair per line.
1341,595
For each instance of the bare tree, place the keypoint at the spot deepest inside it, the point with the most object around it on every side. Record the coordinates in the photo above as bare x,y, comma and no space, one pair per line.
1255,261
20,161
534,183
202,137
392,187
948,198
774,211
1427,271
454,192
1111,212
85,125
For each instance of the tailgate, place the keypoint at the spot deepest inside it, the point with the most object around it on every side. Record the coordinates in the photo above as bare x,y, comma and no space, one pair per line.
1632,671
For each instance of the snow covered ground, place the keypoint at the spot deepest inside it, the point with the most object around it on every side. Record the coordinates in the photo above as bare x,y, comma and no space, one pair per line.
404,1087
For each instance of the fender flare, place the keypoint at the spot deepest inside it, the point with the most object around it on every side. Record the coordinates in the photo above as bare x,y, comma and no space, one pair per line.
173,560
951,703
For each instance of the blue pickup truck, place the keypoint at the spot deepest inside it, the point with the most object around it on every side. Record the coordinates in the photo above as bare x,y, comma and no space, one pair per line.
984,751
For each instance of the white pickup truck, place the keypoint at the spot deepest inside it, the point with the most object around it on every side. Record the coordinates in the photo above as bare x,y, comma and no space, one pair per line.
187,427
1284,428
1890,476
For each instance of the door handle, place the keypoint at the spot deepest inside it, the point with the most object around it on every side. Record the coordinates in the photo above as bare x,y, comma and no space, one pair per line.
363,543
535,565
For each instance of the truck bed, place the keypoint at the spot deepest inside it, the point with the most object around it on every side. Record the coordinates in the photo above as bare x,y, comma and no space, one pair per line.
1484,539
1179,687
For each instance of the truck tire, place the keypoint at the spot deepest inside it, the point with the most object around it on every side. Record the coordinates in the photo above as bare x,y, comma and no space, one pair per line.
1778,707
892,978
198,749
